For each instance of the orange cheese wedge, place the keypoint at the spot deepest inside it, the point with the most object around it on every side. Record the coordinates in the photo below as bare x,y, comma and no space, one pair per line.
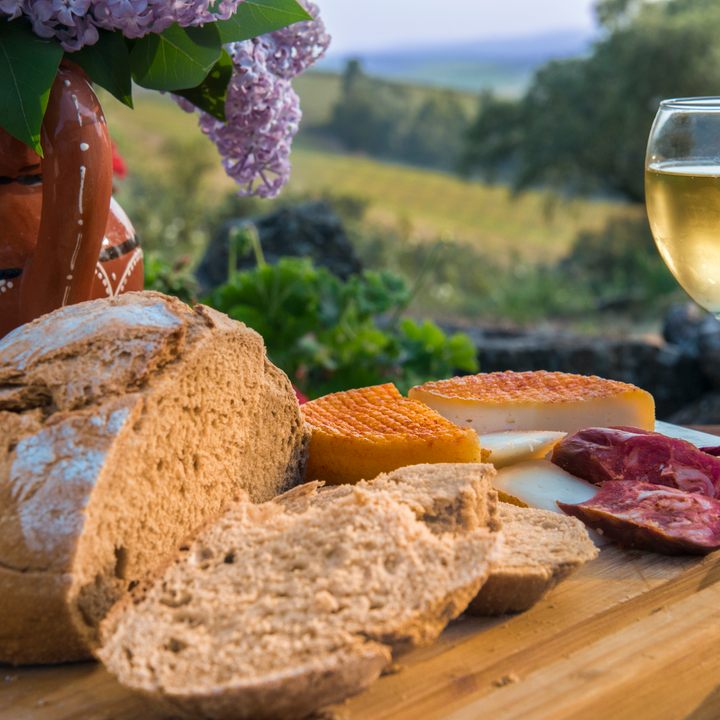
494,402
360,433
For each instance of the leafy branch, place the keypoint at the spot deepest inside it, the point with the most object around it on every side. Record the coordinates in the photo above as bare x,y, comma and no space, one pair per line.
188,61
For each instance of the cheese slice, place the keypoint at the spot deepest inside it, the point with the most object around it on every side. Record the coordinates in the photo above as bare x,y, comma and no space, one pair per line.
540,484
359,434
494,402
511,447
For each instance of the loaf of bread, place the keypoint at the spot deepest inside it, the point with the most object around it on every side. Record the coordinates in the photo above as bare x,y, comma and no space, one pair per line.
125,425
539,549
282,608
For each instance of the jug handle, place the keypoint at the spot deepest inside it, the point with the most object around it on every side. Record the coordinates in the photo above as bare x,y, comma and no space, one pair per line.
77,185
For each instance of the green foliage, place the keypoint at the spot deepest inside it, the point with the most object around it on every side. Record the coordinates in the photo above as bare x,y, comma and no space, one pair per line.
331,335
385,120
620,266
609,276
257,17
583,124
426,352
107,63
178,59
211,93
28,66
174,279
182,58
434,136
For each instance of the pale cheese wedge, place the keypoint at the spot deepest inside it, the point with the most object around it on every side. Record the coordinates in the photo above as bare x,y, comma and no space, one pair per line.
509,448
540,484
495,402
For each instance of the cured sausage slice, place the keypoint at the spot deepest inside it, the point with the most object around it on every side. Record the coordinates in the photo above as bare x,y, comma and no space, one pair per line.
652,517
601,455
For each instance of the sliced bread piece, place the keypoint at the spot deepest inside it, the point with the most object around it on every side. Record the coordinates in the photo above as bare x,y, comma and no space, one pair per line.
438,494
539,549
279,609
125,424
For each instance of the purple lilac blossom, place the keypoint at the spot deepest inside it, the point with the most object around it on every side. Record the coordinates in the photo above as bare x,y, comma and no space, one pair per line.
75,23
262,110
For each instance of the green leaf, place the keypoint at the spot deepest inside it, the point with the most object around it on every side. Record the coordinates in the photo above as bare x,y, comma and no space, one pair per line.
257,17
28,66
107,63
210,95
177,59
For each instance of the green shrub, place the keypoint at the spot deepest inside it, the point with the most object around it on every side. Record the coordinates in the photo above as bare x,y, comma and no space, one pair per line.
173,279
331,335
620,264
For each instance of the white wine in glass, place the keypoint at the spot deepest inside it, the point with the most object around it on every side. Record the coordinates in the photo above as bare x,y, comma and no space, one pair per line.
682,193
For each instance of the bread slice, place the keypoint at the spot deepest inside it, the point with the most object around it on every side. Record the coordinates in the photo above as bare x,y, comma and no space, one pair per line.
279,609
125,424
540,548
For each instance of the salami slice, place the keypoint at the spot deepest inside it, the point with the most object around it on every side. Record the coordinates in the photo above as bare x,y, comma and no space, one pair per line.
652,517
601,455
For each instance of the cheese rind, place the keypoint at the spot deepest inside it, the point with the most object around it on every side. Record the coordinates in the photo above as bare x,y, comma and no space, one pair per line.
562,402
359,434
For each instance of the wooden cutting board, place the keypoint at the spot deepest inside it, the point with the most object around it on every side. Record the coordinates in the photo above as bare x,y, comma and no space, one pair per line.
632,635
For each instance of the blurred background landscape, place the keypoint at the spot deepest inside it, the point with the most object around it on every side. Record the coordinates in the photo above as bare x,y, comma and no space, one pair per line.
492,160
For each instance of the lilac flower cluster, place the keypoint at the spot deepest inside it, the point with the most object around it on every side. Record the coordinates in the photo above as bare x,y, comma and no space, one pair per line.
75,23
262,110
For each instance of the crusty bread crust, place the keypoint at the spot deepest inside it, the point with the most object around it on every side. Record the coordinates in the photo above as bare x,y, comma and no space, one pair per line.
288,694
126,423
517,590
540,549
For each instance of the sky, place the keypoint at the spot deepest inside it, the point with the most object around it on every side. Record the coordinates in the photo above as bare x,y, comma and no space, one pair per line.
382,24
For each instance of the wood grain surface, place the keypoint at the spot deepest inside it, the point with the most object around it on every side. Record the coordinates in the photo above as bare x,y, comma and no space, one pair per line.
631,635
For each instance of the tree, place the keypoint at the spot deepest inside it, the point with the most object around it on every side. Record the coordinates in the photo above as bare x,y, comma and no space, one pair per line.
369,116
389,120
435,134
583,124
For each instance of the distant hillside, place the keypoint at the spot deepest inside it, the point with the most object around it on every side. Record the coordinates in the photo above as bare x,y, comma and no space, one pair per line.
319,91
504,65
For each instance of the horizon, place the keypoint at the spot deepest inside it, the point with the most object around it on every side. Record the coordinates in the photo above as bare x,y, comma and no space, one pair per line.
465,42
355,27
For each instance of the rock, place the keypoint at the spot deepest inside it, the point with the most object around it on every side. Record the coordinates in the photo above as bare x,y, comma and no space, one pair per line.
673,377
681,326
709,349
311,230
696,332
705,411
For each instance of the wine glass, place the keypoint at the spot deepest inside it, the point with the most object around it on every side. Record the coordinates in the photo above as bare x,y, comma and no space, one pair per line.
682,194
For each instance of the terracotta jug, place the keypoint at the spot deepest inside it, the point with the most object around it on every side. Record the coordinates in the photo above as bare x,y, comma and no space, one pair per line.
63,238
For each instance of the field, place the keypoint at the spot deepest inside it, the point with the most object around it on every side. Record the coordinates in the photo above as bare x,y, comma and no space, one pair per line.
426,205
